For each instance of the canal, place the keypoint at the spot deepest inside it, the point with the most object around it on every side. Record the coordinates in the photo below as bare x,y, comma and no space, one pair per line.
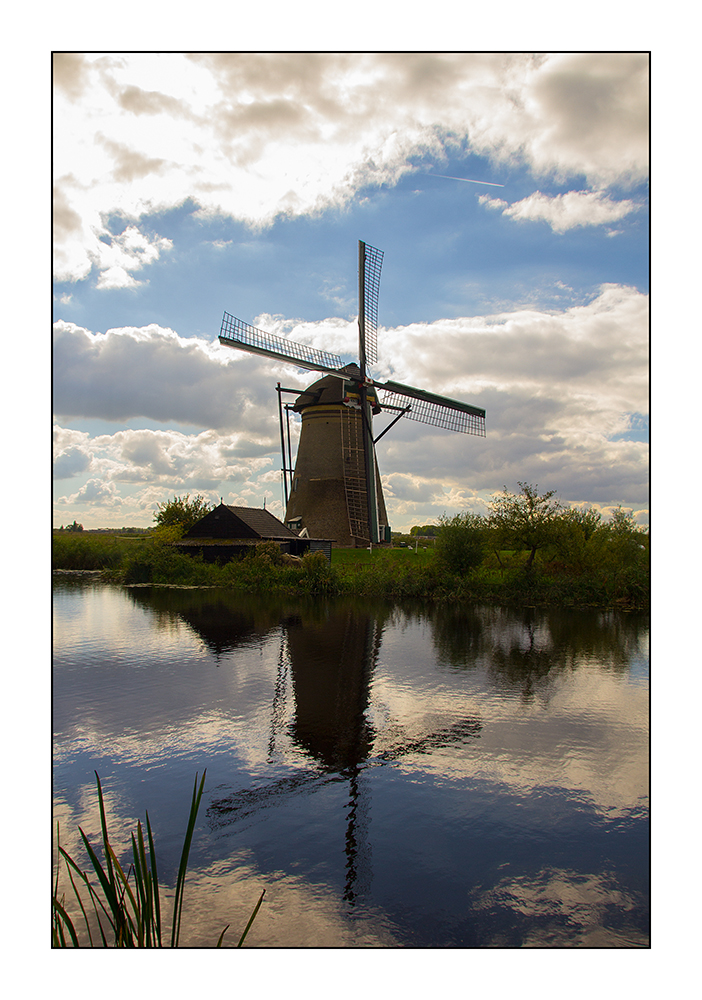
392,775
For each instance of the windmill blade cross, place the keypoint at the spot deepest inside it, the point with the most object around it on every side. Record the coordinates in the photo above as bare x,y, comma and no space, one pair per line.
437,411
336,490
235,333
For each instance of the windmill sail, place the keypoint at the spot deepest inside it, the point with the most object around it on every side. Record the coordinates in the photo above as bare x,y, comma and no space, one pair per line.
235,333
370,262
438,411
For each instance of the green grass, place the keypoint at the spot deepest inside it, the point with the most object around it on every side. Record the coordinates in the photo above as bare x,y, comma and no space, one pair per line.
100,551
125,907
362,557
393,574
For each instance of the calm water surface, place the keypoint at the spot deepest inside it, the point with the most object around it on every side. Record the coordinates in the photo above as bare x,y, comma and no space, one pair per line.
392,776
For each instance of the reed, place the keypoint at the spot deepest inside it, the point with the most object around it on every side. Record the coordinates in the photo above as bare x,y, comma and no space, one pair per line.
126,907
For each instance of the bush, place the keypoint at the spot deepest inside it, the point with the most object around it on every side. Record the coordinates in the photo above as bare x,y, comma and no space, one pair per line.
461,543
269,553
157,561
318,575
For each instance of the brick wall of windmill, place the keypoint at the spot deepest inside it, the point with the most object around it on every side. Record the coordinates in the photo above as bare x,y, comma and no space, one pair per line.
327,461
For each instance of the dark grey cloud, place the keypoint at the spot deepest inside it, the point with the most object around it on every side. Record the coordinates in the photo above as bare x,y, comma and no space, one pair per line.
130,164
66,221
152,373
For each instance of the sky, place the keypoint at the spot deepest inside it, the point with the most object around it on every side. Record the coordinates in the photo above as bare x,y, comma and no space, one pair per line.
509,193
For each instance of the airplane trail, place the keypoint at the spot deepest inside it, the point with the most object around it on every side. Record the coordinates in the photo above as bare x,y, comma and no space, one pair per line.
467,180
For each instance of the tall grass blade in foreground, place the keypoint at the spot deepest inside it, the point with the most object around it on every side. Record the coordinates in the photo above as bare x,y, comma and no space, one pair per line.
180,882
130,915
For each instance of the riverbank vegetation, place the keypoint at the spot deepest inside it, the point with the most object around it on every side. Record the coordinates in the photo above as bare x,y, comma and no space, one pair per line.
529,550
123,909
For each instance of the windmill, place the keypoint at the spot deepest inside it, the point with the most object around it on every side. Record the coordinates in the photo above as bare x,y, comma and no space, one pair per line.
335,489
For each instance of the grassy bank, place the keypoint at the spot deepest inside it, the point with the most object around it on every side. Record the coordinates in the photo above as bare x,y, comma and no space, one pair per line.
387,573
93,551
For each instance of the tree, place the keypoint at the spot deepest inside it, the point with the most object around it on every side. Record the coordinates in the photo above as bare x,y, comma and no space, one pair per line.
74,527
573,530
182,512
460,544
524,520
621,543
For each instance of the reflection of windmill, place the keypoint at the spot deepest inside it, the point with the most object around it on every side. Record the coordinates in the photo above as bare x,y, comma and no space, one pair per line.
335,490
331,664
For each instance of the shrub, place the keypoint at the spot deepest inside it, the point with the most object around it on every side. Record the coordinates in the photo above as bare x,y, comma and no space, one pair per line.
461,543
318,577
269,553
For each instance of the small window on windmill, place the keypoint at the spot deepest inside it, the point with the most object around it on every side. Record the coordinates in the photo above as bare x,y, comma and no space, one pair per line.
296,480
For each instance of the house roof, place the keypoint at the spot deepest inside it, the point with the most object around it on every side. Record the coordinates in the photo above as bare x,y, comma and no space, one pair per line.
261,521
226,521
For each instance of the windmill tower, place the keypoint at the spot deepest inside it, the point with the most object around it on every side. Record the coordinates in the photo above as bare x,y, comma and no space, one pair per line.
335,489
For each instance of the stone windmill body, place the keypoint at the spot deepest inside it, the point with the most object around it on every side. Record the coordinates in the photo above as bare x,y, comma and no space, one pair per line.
335,489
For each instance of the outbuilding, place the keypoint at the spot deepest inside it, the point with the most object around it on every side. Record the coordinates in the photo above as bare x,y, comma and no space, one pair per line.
228,531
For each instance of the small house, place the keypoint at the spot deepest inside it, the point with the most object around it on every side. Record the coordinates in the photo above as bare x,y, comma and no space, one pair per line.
227,531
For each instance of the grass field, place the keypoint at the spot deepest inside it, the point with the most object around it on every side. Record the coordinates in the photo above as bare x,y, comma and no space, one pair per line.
393,574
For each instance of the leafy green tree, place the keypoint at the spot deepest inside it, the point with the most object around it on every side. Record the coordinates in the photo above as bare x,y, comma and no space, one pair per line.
182,512
461,541
573,530
74,527
524,520
425,530
621,543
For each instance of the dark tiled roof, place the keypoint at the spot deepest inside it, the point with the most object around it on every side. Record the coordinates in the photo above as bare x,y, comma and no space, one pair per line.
194,543
265,524
239,522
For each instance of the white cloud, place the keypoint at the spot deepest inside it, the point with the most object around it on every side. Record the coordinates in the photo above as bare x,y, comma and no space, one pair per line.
256,134
95,492
564,211
559,389
124,253
171,457
131,471
70,463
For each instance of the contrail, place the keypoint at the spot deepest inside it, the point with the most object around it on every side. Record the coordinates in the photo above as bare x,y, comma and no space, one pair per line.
467,180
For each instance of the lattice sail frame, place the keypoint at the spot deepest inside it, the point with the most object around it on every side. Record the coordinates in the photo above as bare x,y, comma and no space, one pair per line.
439,413
237,333
373,263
